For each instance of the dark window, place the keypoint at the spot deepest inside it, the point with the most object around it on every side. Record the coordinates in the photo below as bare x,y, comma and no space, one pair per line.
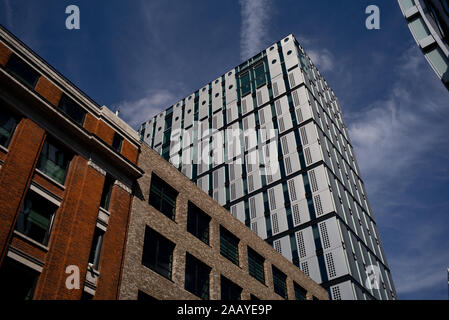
117,142
259,71
72,109
163,197
245,84
8,124
36,218
300,292
54,161
107,191
95,250
166,152
198,223
157,253
18,281
256,265
229,290
197,277
279,282
142,296
229,246
253,297
23,71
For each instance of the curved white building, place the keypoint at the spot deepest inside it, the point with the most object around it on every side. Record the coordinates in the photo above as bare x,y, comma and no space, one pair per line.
428,21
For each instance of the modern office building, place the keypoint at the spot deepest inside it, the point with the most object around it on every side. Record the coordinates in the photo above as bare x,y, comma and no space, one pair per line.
267,141
182,245
428,21
74,177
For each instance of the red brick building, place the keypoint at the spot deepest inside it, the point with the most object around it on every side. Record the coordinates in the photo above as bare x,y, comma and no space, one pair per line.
67,167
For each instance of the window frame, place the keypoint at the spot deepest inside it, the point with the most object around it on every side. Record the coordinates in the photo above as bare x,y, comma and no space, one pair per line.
65,103
277,275
194,212
251,270
225,251
96,248
117,138
11,115
230,287
161,193
198,265
32,193
105,200
155,238
56,144
16,60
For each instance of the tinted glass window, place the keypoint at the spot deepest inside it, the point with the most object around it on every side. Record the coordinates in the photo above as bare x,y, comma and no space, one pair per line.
54,161
158,253
73,110
24,72
36,218
8,124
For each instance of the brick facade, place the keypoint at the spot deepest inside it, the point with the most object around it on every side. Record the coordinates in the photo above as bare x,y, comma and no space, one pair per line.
138,277
78,214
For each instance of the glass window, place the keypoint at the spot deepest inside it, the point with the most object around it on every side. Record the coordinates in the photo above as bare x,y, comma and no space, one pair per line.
259,72
229,246
229,290
95,251
23,71
198,223
18,281
407,4
54,161
256,265
163,197
439,61
107,191
8,124
300,292
117,142
158,253
36,218
197,277
245,84
419,29
279,282
72,109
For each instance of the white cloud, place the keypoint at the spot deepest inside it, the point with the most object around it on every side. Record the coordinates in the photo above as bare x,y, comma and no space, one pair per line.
323,59
398,139
137,111
394,134
255,26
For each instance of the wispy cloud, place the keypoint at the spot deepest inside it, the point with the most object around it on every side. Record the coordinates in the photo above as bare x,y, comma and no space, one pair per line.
255,26
8,12
155,101
397,140
401,128
322,58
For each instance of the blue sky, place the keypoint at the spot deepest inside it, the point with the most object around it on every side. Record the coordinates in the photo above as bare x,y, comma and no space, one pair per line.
143,56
